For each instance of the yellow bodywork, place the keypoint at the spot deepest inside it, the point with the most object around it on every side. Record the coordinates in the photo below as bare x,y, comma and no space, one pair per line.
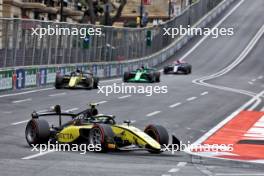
135,136
74,81
125,132
71,133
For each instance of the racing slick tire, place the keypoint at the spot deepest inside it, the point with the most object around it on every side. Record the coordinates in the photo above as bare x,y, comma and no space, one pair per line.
165,71
96,82
190,70
37,131
151,77
158,133
89,83
58,82
187,71
157,76
126,76
103,136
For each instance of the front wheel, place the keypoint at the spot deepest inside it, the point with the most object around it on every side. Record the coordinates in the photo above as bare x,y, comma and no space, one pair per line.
190,70
165,71
158,133
151,77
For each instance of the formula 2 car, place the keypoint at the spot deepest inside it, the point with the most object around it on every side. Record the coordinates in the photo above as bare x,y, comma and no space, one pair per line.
89,127
142,75
178,67
77,79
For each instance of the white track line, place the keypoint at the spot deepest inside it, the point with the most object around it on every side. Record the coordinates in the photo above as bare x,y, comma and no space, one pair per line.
111,80
37,155
241,57
46,89
237,61
17,123
72,109
230,117
191,98
204,93
6,112
123,97
21,101
173,170
226,120
26,92
251,83
177,169
205,37
153,113
255,97
255,105
174,105
58,94
260,77
101,102
181,164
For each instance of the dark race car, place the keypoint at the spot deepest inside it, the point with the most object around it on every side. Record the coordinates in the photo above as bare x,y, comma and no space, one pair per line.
90,127
77,79
142,74
178,67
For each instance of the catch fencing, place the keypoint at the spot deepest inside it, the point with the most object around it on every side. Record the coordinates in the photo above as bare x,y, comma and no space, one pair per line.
18,47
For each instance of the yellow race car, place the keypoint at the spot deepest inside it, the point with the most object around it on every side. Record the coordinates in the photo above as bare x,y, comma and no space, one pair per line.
77,79
92,128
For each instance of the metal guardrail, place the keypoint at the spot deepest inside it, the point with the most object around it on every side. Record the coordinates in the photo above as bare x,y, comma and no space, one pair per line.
38,76
18,47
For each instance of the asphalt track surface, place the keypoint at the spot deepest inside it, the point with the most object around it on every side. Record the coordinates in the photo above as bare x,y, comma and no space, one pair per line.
188,110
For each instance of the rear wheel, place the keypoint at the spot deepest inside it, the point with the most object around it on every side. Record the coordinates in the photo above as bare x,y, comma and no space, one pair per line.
157,76
89,83
158,133
96,82
37,131
102,135
58,82
126,76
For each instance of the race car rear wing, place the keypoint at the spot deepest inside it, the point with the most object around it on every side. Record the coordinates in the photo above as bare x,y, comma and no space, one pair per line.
56,110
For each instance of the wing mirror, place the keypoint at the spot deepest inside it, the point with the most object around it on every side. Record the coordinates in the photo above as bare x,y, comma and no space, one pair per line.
128,122
113,116
57,109
93,105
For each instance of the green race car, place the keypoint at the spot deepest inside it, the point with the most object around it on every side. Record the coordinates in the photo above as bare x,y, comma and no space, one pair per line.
143,74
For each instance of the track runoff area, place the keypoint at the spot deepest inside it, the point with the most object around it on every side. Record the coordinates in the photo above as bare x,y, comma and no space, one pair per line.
241,135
